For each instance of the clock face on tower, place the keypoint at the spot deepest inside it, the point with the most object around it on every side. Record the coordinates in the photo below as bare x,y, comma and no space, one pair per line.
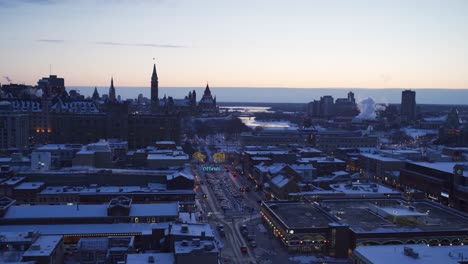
459,172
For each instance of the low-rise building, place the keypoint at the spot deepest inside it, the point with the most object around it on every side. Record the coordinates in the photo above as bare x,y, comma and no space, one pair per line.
167,160
61,155
336,226
196,251
274,138
324,165
46,249
329,141
410,254
153,193
95,250
378,166
346,190
27,192
118,210
445,182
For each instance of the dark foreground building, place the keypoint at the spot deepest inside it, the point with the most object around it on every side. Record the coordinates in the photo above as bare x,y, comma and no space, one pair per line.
335,227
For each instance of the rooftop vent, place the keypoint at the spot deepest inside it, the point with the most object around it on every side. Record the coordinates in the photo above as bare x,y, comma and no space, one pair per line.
410,252
208,246
196,242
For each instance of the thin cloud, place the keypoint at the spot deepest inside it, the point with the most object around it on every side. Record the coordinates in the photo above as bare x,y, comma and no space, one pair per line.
138,44
51,40
11,3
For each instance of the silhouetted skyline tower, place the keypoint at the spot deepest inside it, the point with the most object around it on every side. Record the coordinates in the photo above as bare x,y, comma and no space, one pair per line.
408,104
351,97
154,90
52,86
112,97
95,94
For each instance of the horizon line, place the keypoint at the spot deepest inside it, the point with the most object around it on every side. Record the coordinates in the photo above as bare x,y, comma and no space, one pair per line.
272,87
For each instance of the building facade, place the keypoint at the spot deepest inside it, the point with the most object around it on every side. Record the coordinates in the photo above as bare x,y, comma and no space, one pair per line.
408,105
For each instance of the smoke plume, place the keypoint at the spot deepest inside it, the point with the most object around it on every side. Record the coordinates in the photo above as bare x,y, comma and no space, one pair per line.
367,108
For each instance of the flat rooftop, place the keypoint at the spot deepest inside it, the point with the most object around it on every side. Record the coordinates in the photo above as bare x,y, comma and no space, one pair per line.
13,181
362,188
70,171
30,186
51,147
442,166
380,157
43,246
87,211
194,230
84,229
321,160
358,214
395,254
300,215
361,215
159,258
191,247
309,150
169,156
154,188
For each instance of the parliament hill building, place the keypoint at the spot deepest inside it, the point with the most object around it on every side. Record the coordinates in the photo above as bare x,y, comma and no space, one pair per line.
48,113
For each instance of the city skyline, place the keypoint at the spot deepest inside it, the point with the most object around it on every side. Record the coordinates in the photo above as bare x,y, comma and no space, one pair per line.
363,44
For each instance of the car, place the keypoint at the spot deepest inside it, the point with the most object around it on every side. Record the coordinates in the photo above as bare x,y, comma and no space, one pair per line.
245,233
253,244
222,233
243,249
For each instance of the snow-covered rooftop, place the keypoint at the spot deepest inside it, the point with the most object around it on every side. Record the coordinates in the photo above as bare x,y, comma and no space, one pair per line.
401,211
88,211
144,258
280,181
70,229
189,247
193,230
321,160
152,188
396,254
380,157
176,155
13,181
29,186
43,246
442,166
51,147
273,168
180,174
266,152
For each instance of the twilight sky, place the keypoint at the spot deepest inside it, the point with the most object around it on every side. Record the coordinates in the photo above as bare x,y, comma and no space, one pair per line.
241,43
